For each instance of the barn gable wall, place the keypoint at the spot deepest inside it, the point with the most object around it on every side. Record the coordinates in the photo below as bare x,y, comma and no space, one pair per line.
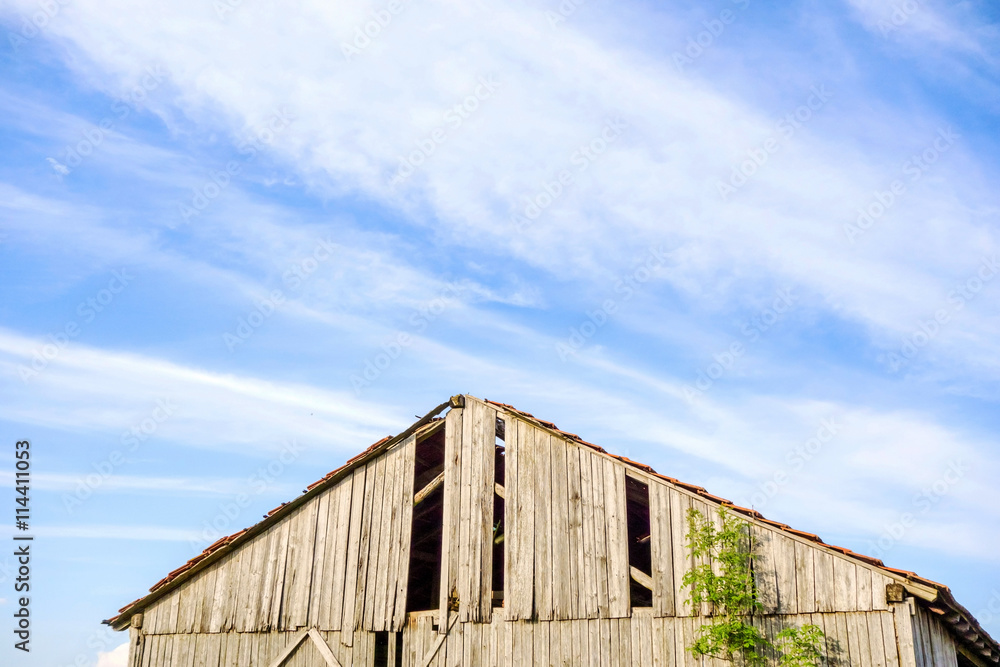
563,519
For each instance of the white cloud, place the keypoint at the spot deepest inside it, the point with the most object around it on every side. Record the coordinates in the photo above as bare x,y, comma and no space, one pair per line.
116,657
95,390
655,184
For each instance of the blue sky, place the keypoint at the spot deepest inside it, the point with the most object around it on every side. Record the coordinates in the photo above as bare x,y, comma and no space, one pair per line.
753,246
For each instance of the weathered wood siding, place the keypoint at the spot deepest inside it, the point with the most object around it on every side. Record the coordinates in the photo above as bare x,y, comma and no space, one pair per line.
338,563
643,639
467,531
933,646
565,529
567,551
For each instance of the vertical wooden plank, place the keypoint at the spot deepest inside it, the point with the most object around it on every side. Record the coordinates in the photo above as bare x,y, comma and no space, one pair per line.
625,642
878,592
512,563
339,584
843,639
543,524
805,586
589,595
389,554
351,565
600,537
323,593
660,542
783,551
649,651
506,626
564,560
635,639
825,581
889,639
864,641
765,571
658,638
175,610
452,514
247,619
875,640
825,643
221,590
575,529
682,562
466,530
486,427
619,576
541,641
605,639
845,578
406,525
594,642
376,577
371,472
854,647
903,624
864,588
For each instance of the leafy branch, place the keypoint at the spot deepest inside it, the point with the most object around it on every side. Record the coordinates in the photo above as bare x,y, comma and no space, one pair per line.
724,579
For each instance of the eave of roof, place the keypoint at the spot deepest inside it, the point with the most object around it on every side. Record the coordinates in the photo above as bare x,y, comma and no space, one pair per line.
964,624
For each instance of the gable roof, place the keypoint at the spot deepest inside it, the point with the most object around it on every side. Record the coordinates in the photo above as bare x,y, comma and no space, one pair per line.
937,597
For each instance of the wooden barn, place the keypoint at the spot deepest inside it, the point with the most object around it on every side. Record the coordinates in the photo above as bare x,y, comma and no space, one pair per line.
484,536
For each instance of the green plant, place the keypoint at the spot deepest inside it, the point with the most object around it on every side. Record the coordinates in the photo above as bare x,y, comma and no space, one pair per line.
724,579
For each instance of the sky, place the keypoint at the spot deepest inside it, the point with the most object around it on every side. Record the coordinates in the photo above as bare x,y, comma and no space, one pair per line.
753,245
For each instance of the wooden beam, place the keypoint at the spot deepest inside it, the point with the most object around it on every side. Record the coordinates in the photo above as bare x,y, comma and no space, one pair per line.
500,491
284,655
641,577
426,660
422,494
324,648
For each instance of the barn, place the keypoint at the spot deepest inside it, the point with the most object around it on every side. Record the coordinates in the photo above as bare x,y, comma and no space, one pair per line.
482,535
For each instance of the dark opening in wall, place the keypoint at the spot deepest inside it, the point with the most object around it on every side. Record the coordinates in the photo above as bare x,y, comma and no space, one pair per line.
499,543
640,554
428,516
381,649
399,649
